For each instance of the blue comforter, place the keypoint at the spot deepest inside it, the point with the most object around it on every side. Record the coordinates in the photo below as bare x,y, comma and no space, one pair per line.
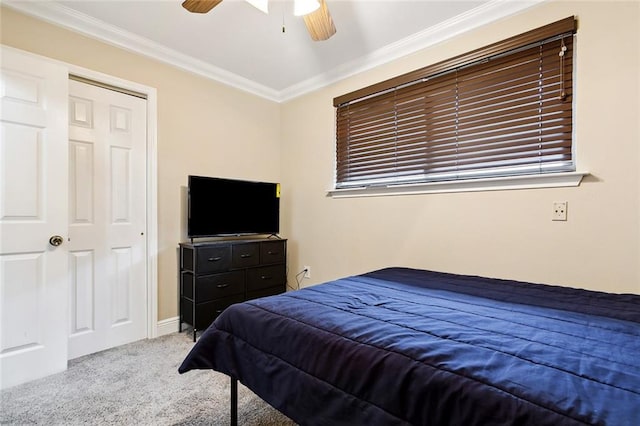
404,346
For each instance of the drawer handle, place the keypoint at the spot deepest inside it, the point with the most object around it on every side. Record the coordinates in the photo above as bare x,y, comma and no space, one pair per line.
222,285
214,259
273,252
266,277
245,256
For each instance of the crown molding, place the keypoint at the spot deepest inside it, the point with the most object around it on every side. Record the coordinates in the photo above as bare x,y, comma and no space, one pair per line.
65,17
474,18
68,18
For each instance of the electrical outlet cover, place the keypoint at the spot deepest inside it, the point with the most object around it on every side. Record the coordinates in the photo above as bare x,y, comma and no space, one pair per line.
560,211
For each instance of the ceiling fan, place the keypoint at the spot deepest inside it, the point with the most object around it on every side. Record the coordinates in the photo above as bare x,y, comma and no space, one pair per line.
314,12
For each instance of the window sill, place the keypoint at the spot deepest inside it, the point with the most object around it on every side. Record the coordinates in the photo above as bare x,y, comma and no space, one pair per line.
551,180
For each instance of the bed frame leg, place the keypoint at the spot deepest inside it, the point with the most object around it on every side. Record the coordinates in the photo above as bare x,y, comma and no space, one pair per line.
234,401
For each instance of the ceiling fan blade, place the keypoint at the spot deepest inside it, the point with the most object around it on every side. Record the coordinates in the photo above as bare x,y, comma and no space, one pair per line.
200,6
319,23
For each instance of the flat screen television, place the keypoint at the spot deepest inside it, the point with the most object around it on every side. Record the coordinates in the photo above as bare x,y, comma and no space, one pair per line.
225,207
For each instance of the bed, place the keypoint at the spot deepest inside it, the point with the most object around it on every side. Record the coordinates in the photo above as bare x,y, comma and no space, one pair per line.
402,346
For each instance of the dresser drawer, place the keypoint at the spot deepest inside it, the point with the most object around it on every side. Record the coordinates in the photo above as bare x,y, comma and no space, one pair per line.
213,259
272,252
209,287
245,255
267,276
205,312
271,291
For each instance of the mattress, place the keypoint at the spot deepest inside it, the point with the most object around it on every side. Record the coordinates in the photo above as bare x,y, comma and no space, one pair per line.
403,346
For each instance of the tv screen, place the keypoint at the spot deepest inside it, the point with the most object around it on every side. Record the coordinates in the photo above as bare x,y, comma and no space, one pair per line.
219,207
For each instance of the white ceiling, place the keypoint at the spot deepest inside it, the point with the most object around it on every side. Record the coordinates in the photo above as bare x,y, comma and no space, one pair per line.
239,45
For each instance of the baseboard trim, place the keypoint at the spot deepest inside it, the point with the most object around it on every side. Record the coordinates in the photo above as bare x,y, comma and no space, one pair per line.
167,326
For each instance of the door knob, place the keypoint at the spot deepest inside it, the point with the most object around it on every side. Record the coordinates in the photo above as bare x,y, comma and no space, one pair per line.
55,240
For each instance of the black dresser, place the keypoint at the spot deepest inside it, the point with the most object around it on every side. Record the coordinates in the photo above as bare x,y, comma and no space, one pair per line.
214,275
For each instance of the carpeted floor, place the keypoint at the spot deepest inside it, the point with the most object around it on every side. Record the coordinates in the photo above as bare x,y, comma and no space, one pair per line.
135,384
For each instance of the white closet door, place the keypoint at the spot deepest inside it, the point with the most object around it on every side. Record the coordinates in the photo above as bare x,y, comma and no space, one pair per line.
107,218
33,208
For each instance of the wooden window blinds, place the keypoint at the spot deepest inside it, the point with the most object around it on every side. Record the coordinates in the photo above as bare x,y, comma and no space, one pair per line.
500,110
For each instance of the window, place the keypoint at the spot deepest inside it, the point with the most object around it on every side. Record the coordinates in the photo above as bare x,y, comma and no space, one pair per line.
505,109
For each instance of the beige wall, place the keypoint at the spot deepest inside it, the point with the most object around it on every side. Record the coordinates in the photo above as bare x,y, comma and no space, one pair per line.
210,129
203,127
506,234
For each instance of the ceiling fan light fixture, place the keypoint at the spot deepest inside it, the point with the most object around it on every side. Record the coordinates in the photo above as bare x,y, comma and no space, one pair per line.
262,5
304,7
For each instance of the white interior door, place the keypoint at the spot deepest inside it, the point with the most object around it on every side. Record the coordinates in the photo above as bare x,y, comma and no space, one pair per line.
107,219
33,208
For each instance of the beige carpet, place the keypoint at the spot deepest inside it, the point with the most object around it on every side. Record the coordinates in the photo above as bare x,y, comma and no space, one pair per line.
135,384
